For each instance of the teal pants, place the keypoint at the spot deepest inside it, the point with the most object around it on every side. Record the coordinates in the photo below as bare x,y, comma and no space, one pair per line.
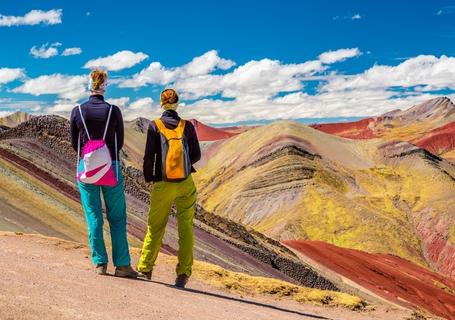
114,200
162,197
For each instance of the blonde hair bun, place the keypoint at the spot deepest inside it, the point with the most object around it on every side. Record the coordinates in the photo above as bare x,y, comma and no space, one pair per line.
98,80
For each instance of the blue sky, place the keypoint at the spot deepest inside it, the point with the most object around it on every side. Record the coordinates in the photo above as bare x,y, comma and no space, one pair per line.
257,60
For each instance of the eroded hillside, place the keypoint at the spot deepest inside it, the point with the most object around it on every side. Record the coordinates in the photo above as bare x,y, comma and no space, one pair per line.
290,181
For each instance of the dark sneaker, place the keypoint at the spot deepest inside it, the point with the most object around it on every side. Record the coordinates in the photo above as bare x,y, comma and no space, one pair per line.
146,275
181,281
101,269
125,272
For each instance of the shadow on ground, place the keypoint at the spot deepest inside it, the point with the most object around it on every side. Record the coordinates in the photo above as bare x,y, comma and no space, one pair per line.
258,304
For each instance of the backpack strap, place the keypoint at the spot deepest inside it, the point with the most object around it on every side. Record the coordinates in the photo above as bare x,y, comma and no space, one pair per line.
180,128
115,137
160,126
169,134
83,121
107,122
116,159
78,153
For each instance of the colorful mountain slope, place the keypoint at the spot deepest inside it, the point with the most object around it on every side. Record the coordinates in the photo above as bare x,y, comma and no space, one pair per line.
438,141
135,138
29,204
429,125
208,133
361,129
290,181
388,276
15,119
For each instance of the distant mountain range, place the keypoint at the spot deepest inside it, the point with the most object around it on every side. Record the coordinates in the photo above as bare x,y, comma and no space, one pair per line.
14,119
430,125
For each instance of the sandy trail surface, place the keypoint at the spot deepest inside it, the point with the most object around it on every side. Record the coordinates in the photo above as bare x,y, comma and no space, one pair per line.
49,278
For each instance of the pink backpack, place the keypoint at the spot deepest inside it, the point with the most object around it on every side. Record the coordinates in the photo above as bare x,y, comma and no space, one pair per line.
97,159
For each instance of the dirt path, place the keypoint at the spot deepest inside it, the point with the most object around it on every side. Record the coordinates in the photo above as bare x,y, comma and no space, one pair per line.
48,278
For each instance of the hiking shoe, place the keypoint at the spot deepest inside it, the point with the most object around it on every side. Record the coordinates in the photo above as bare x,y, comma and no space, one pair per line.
181,281
146,275
125,272
101,269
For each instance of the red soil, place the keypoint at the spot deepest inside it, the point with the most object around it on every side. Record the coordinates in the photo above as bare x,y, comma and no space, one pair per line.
207,133
391,277
353,130
438,248
439,140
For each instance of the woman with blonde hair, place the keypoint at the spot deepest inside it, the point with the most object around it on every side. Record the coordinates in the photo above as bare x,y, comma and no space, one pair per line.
172,148
97,136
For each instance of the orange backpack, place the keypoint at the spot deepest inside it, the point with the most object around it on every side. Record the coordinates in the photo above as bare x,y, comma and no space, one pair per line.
175,157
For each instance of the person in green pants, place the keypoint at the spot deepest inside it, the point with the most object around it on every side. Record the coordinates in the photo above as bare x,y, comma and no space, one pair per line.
172,148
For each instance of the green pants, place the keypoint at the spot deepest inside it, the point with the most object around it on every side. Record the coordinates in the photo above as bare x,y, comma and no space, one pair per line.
162,197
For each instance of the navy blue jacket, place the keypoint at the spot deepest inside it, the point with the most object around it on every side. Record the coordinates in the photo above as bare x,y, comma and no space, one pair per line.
170,119
95,112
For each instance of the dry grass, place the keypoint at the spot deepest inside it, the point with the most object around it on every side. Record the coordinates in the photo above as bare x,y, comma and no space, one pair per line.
244,284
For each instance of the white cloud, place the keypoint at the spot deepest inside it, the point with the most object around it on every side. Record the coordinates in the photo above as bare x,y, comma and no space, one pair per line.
142,107
427,70
61,107
300,105
253,80
13,105
339,55
357,16
46,51
122,101
65,86
64,107
205,64
155,73
445,10
118,61
194,80
71,51
33,17
141,103
270,90
267,89
10,74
